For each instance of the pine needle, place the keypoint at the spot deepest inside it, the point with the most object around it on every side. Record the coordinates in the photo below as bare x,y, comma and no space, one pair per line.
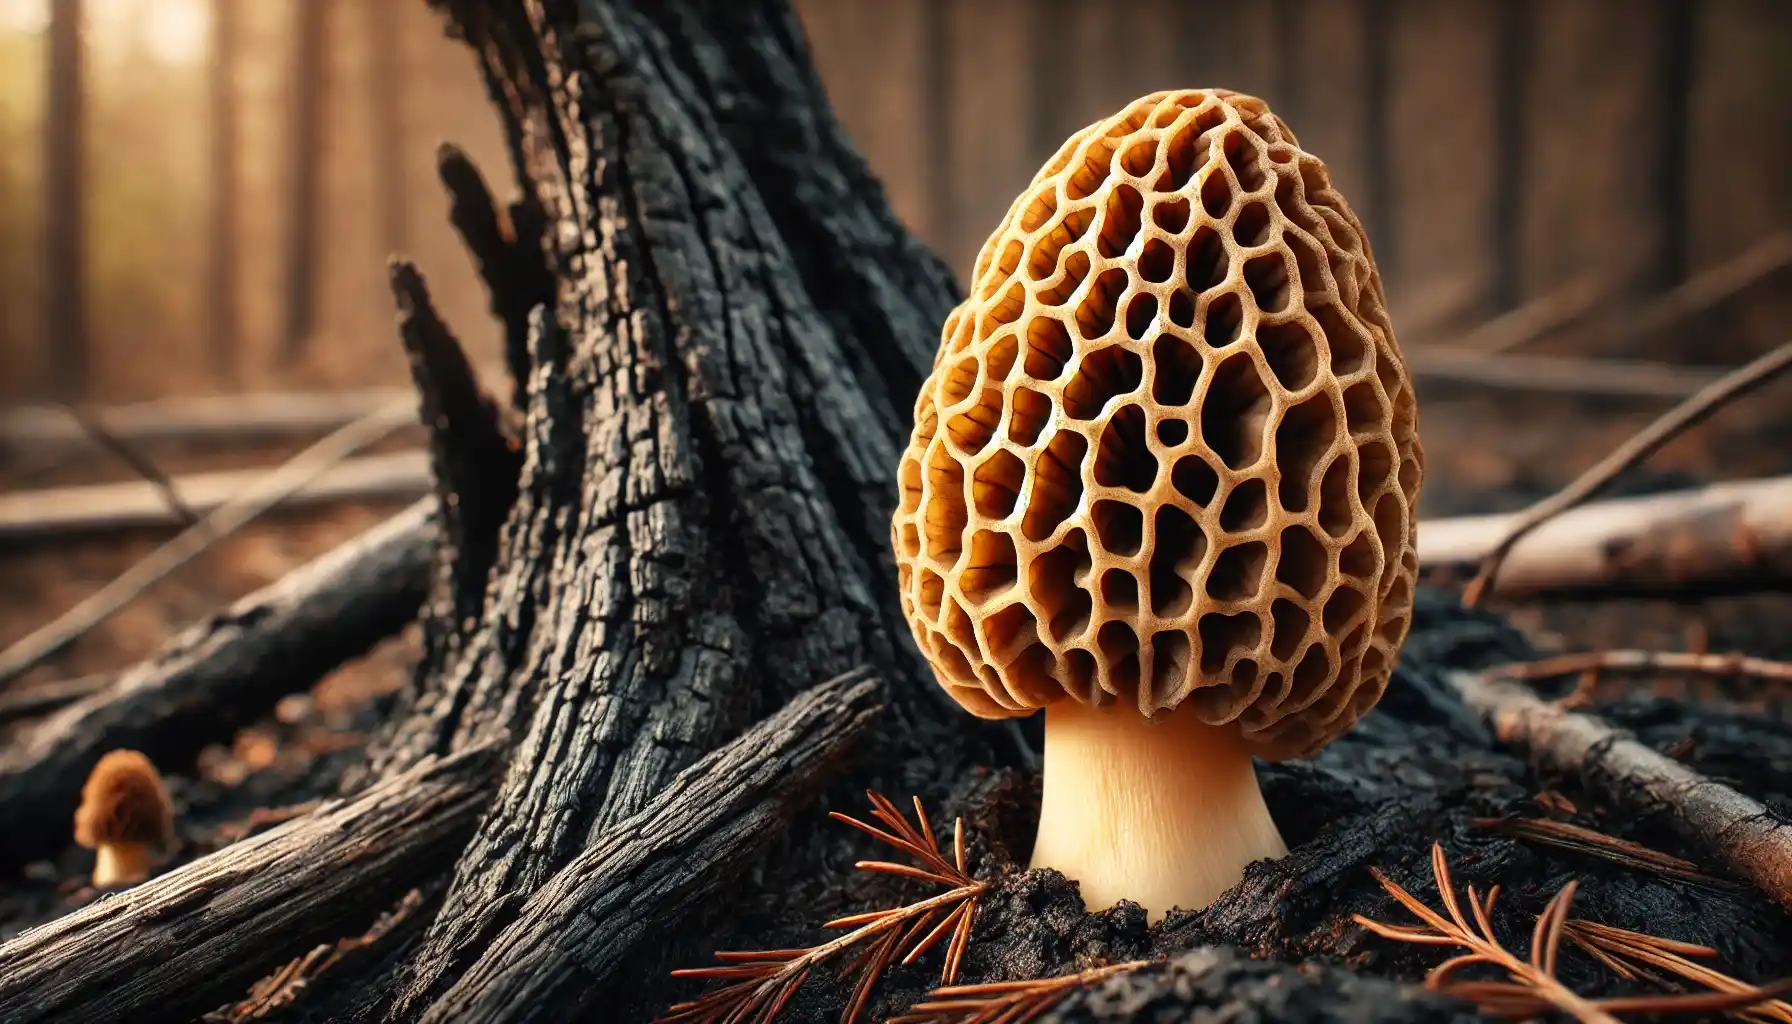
1009,1002
1532,987
1578,839
761,983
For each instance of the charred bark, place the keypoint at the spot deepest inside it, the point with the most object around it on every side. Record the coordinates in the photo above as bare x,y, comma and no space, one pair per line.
218,676
650,871
183,943
713,406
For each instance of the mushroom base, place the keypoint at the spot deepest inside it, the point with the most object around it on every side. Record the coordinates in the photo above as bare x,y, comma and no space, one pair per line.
1165,813
122,864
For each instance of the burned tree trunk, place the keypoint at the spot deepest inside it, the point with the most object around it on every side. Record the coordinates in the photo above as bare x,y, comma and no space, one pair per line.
713,401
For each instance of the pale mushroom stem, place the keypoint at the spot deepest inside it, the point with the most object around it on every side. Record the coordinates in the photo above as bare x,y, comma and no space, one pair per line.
1165,813
122,864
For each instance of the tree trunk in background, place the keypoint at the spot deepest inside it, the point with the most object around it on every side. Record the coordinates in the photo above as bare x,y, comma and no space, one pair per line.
223,339
305,163
386,78
714,408
64,327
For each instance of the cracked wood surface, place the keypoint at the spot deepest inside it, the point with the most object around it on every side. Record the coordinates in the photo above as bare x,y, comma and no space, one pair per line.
645,875
712,414
181,944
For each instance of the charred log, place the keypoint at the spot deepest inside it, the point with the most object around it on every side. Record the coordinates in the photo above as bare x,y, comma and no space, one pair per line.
181,944
219,675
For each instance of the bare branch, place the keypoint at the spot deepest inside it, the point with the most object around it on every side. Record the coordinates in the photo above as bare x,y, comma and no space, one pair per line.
1677,420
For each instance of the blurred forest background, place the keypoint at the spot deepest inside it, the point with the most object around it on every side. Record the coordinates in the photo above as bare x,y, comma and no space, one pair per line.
1583,210
241,168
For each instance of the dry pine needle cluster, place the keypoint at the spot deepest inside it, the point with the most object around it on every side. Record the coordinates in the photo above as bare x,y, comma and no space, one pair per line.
761,983
1532,987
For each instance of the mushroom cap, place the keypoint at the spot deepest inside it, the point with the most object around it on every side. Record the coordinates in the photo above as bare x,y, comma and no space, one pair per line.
124,801
1169,449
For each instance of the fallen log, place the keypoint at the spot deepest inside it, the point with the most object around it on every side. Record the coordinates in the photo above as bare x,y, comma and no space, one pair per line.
190,940
650,870
1753,841
219,675
65,511
1728,536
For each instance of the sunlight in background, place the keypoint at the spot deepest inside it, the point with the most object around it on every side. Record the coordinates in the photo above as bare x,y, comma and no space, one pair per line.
169,31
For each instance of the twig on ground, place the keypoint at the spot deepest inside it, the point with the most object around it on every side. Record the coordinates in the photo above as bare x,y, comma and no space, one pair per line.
1670,425
762,982
1750,839
273,488
1533,988
1567,836
1010,1002
140,463
1734,665
30,701
1730,536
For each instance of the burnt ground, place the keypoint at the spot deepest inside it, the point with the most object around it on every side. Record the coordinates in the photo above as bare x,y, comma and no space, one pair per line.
1281,945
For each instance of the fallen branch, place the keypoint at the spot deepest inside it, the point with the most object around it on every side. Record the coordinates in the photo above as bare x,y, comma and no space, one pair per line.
1725,537
141,464
219,675
269,491
1696,409
568,940
1749,838
44,698
63,511
1736,666
188,941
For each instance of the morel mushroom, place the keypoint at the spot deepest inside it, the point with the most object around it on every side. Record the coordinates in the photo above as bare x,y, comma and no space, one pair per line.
1162,483
126,816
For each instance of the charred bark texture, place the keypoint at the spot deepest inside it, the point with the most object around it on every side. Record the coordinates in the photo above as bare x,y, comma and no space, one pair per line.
218,676
714,406
650,871
507,251
181,944
473,464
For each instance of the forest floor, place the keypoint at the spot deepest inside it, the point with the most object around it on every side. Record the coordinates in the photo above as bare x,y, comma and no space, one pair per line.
1485,452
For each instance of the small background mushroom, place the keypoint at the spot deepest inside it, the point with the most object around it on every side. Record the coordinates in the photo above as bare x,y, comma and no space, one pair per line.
126,816
1168,460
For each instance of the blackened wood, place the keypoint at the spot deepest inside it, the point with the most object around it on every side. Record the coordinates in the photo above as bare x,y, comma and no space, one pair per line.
181,944
507,253
702,521
218,676
1751,839
474,465
650,871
